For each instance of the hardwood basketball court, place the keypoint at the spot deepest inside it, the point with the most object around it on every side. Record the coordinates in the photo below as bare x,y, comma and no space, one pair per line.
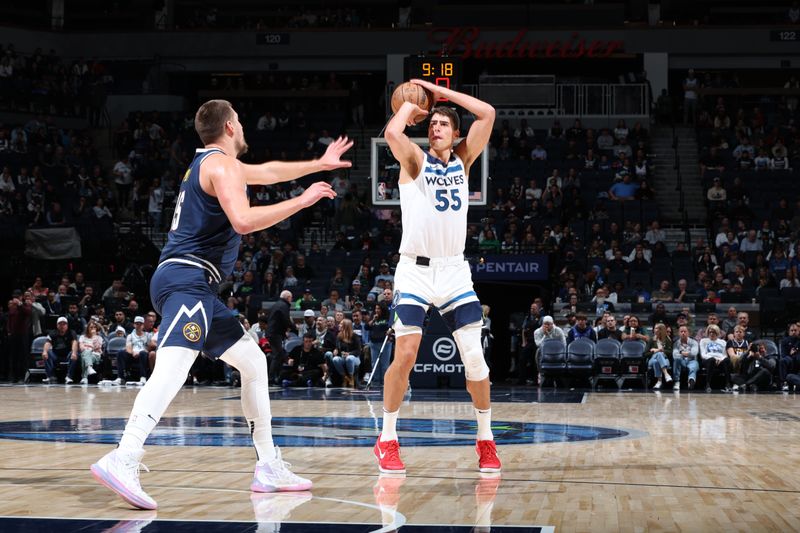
572,461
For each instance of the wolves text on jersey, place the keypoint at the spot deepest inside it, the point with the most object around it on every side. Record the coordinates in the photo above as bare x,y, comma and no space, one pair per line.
444,181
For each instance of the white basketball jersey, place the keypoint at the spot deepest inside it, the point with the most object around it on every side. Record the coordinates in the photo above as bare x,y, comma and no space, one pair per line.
434,208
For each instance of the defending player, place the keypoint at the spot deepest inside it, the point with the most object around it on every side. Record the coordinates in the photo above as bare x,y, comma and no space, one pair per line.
434,194
212,211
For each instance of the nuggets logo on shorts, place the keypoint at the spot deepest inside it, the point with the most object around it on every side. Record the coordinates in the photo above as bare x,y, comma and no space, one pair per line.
192,331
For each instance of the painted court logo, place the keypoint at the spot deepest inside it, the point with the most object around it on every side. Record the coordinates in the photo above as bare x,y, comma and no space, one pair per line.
192,331
305,431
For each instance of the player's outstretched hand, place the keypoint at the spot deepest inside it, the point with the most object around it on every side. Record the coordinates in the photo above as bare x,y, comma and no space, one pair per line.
315,193
332,158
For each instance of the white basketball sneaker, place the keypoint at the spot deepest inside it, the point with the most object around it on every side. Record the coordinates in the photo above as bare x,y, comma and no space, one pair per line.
275,476
119,471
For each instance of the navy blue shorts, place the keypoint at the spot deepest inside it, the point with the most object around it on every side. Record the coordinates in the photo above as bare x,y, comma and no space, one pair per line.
192,315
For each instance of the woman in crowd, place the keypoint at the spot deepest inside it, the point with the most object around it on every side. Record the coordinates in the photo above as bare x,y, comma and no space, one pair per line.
90,346
714,356
660,351
346,354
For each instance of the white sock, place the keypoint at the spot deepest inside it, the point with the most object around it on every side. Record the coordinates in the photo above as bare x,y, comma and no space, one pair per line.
484,424
156,395
247,358
389,431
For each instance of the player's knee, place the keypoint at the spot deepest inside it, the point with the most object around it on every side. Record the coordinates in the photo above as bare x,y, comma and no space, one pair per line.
247,358
468,340
404,360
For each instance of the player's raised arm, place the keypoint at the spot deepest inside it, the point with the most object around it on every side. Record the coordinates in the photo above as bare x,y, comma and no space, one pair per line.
478,137
220,176
279,171
406,152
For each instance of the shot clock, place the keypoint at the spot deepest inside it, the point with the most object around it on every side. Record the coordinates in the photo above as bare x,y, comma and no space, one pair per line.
439,70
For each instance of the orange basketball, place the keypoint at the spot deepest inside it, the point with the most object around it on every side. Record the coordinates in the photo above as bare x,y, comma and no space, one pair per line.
411,92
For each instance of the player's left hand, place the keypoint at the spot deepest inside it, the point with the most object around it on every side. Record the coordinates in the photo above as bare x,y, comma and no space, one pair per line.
435,90
332,158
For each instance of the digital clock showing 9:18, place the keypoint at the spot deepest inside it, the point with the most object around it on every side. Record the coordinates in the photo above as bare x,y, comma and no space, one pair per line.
439,70
784,35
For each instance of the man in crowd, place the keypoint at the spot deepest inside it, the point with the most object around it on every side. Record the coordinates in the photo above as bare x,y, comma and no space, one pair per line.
277,326
548,330
684,355
136,349
529,325
581,330
610,331
305,365
61,345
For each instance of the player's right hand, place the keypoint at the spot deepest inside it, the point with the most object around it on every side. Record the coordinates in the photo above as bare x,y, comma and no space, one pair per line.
315,193
415,113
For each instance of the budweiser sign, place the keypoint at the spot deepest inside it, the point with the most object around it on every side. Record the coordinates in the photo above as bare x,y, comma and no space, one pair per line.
467,43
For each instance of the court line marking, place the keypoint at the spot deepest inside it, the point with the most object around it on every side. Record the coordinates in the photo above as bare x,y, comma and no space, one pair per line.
457,478
398,519
385,529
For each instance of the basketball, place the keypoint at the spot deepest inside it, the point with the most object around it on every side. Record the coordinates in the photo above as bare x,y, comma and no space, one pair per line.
411,92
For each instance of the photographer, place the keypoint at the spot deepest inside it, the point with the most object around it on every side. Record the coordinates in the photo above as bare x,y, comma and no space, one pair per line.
756,370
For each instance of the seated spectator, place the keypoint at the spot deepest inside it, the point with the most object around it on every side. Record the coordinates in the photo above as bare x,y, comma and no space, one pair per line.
90,346
751,243
633,331
610,330
660,352
682,292
308,324
684,354
333,302
136,348
715,358
302,270
663,294
789,362
548,331
744,147
655,233
624,190
346,354
289,280
581,330
325,341
743,320
61,345
270,286
737,347
711,320
307,302
305,366
538,153
756,370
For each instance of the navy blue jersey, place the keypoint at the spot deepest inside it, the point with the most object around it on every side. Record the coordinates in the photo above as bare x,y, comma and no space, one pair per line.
201,231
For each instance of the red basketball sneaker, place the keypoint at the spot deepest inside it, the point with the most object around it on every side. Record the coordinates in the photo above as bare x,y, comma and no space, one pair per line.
388,455
487,456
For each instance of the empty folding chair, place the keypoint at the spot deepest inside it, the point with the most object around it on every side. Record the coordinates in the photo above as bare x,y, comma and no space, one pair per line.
606,361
